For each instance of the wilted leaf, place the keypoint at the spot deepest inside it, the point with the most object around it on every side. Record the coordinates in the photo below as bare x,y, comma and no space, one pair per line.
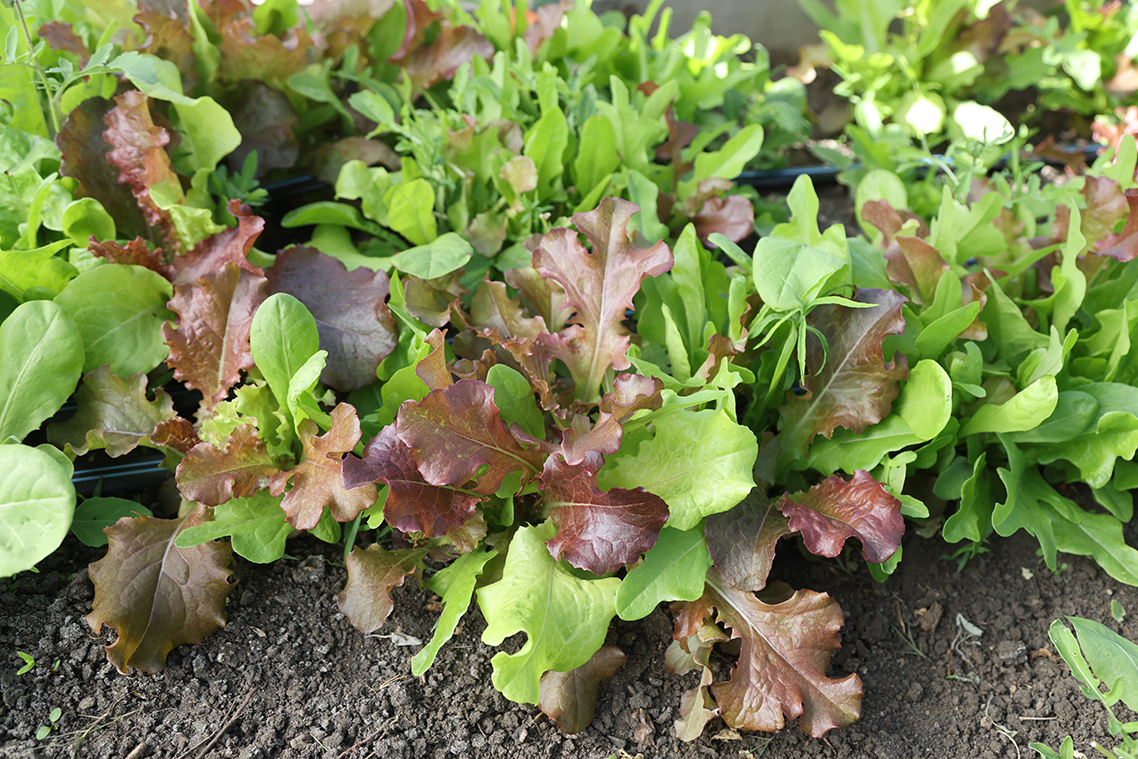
600,286
232,244
210,346
455,431
317,481
850,386
742,541
352,318
834,510
598,531
157,596
570,698
214,477
781,670
413,505
563,616
114,413
372,573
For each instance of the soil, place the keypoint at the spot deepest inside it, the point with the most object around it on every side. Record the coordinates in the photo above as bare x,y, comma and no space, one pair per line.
297,680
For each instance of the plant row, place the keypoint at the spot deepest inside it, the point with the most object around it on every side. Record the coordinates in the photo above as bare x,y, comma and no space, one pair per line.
521,355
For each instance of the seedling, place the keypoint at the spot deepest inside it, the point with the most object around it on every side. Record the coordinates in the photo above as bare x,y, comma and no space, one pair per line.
53,718
29,663
1117,612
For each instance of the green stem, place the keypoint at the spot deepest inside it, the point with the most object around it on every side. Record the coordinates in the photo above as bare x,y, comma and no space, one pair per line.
51,107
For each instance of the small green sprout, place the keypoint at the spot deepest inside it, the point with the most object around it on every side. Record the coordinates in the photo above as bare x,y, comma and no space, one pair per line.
45,730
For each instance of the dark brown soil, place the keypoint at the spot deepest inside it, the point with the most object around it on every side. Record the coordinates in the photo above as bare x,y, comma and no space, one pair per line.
321,689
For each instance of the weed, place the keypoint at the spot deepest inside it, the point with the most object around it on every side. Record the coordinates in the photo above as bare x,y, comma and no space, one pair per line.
53,718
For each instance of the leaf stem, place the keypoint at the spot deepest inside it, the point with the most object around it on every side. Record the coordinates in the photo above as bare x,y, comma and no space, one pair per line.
51,106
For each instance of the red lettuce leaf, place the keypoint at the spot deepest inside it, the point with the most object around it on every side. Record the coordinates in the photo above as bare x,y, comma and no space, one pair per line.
213,477
912,262
630,393
210,346
171,40
413,505
156,595
600,532
355,325
84,149
61,36
600,286
266,120
136,252
452,47
732,216
851,385
742,541
231,245
372,573
114,413
455,431
317,481
268,59
570,698
785,649
834,510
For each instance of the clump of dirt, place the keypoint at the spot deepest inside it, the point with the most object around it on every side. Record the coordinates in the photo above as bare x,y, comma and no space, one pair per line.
290,678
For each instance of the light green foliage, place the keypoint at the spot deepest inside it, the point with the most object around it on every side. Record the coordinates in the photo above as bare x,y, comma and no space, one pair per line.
435,258
563,616
283,339
673,570
515,400
93,514
699,462
455,585
37,502
256,525
41,358
119,310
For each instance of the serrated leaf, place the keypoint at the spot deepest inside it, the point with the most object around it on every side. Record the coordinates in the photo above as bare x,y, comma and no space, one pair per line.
113,414
456,430
564,617
742,541
256,525
455,585
316,481
213,477
230,245
352,318
835,510
850,386
157,596
372,573
413,505
41,358
781,670
597,531
37,502
137,252
94,515
630,393
570,698
599,286
699,462
119,311
210,346
674,569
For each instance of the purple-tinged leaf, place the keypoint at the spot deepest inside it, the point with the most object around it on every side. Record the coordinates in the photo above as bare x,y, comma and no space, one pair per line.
785,649
372,573
570,698
353,320
433,369
268,124
84,149
136,252
1124,245
213,477
600,286
455,431
317,481
742,541
114,413
732,216
268,59
1106,206
850,386
453,46
177,434
600,532
329,158
170,39
889,220
912,262
210,346
834,510
156,595
413,505
630,393
493,308
61,36
231,245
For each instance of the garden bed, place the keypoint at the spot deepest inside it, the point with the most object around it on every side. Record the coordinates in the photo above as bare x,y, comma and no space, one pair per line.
318,688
